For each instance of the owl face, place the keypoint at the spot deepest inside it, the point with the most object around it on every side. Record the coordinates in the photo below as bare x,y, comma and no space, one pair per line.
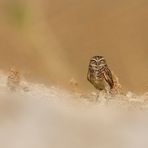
96,63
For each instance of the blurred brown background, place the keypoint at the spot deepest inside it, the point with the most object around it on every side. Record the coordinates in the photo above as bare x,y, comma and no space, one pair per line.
51,41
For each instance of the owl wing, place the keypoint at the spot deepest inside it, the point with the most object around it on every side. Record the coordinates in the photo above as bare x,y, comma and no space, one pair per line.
108,77
88,75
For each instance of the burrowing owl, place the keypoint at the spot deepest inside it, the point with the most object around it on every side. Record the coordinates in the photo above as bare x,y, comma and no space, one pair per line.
99,75
13,79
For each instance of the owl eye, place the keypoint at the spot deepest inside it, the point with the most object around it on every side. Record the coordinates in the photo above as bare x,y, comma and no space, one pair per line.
93,62
102,61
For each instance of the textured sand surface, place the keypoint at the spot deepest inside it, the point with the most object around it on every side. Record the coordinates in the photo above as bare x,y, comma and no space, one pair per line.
50,117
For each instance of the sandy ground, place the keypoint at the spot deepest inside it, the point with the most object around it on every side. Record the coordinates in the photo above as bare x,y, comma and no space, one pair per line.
47,117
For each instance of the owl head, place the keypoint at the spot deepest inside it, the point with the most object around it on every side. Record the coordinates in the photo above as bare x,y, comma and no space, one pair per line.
96,63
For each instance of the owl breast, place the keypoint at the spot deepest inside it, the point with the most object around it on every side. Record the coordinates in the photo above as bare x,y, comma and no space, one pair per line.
98,83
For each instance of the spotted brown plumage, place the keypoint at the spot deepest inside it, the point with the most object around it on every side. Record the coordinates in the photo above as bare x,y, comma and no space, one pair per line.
99,74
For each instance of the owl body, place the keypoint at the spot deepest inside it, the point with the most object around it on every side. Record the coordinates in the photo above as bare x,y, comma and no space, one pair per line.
99,75
98,84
